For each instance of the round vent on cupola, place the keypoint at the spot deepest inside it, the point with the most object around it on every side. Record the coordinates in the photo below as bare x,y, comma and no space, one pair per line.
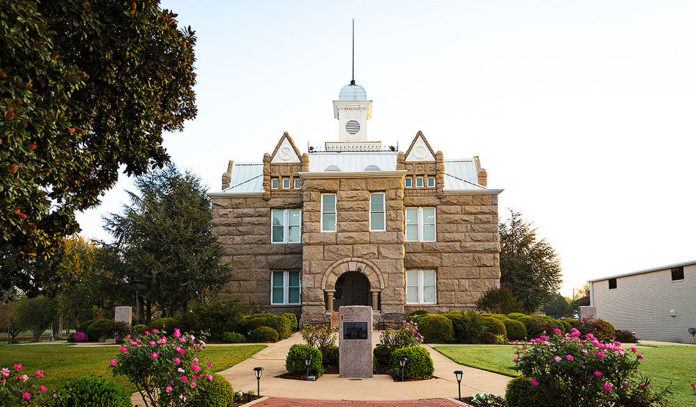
352,127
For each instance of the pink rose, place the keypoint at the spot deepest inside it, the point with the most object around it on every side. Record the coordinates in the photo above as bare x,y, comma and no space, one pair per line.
113,362
557,358
607,387
124,349
154,355
39,374
177,360
569,357
534,382
18,367
183,379
42,388
640,356
26,395
169,389
598,373
193,385
210,364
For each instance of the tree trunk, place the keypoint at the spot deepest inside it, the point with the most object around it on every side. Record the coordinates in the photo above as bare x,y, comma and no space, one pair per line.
148,312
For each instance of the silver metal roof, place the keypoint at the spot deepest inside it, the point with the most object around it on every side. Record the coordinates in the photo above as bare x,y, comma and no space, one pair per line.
246,178
650,270
352,92
352,161
461,175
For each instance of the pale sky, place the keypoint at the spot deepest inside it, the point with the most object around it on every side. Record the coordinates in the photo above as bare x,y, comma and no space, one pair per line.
583,111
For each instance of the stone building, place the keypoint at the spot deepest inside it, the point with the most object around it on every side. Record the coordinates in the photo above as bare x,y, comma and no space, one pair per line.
358,223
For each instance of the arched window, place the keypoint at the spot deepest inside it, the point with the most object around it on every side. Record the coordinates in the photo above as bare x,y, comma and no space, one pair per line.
332,168
372,168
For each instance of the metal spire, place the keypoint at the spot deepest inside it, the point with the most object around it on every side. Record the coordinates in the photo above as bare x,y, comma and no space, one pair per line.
352,67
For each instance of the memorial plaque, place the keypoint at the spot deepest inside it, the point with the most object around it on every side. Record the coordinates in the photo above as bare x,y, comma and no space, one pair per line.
355,341
124,314
587,312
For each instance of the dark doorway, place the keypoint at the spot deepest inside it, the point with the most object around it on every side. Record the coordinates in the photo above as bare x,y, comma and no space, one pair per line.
352,288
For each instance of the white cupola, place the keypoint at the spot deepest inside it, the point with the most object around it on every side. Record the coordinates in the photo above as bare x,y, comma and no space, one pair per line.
352,109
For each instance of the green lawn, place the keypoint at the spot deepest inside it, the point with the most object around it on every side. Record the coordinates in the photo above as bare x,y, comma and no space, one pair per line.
62,363
664,364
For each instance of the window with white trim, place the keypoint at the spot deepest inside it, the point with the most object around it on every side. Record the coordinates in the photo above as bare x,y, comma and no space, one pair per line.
419,182
285,287
285,225
274,183
431,182
377,212
421,287
408,182
286,183
420,225
328,212
298,183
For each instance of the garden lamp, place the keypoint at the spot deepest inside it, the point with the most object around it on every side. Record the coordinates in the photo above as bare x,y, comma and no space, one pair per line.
307,361
259,371
458,374
402,363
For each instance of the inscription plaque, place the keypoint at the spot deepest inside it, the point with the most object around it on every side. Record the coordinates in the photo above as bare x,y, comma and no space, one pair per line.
355,330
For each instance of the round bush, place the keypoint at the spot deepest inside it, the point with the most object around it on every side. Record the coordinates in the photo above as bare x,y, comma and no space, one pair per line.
164,324
566,326
382,355
218,393
491,339
521,393
282,325
436,329
92,391
234,337
453,315
601,329
571,321
79,337
625,336
329,356
292,318
251,322
419,364
494,326
468,328
263,334
295,361
100,329
138,329
537,325
515,330
516,315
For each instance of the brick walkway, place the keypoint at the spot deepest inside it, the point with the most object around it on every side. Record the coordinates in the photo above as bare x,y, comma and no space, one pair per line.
281,402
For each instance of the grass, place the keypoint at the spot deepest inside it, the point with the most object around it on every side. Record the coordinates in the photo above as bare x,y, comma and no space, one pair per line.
663,364
63,362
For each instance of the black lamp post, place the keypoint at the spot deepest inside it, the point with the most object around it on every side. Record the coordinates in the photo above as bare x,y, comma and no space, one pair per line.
458,374
307,361
402,363
259,371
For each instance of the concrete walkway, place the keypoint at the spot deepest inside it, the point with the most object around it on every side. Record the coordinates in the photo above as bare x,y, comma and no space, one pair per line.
284,402
379,387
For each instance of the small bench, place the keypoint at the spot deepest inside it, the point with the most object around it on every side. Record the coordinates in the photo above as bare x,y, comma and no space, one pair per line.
391,319
315,318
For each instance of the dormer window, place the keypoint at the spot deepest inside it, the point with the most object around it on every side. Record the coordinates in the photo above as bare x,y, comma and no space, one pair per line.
372,168
332,168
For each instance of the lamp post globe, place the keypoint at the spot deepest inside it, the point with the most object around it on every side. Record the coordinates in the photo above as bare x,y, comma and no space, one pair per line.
458,374
259,372
402,363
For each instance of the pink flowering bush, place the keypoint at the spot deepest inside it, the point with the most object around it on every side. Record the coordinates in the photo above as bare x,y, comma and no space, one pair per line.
406,337
319,336
21,388
80,337
165,369
586,371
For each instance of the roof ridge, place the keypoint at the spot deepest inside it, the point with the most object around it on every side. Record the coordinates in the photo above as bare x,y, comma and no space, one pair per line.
467,181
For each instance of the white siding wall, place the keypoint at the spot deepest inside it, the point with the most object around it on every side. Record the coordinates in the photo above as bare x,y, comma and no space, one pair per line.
641,303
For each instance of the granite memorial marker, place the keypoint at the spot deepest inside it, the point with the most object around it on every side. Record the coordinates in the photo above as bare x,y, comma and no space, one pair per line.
355,341
124,314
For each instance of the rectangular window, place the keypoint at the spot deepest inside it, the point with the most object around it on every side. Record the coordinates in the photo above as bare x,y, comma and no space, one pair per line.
274,183
419,182
677,273
285,225
328,213
420,225
377,212
285,287
421,287
408,182
431,182
286,183
612,283
298,183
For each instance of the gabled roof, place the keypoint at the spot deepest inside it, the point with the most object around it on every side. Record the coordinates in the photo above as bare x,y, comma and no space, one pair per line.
650,270
246,178
420,142
460,175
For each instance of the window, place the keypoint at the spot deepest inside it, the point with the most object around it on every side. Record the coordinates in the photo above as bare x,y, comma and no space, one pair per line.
419,182
677,273
372,168
420,224
328,213
332,168
377,217
285,225
286,183
274,183
298,183
285,287
431,182
421,287
612,283
408,182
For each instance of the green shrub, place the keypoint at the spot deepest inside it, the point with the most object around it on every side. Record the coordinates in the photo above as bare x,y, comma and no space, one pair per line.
82,327
234,337
566,326
218,393
419,364
453,315
521,393
516,315
295,361
416,315
92,391
537,325
516,331
263,334
280,324
494,326
121,330
329,356
436,329
100,329
468,328
216,318
500,301
382,355
571,321
164,324
601,329
292,319
492,339
138,329
625,336
251,322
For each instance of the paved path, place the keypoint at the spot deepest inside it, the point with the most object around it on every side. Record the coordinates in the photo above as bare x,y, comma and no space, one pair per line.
284,402
379,387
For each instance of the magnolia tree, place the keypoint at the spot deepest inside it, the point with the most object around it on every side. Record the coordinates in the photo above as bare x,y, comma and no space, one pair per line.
165,369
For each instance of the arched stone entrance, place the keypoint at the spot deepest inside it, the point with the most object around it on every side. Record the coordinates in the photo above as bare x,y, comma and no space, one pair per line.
347,270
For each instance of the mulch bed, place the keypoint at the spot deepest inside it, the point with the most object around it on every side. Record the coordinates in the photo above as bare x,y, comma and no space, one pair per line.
245,399
469,400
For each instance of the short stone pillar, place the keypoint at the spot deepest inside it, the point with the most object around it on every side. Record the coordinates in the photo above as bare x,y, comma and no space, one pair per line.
124,314
587,312
355,341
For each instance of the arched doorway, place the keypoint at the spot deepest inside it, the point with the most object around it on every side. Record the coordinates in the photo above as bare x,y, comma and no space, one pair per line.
352,288
375,283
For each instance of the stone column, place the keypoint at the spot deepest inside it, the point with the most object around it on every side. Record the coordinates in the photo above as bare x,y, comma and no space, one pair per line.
330,296
375,300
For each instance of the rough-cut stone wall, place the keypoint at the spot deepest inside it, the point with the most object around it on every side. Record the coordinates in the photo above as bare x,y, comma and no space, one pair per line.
353,240
243,226
466,253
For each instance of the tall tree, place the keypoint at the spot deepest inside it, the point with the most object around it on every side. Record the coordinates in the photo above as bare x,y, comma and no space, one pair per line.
558,306
86,88
166,237
529,266
35,314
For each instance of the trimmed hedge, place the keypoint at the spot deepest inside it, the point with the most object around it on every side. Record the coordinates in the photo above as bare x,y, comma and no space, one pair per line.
329,356
292,319
218,393
516,315
416,315
295,361
436,329
468,328
494,326
216,318
263,334
601,329
100,329
164,324
138,329
234,337
515,329
571,321
92,391
279,324
419,364
625,336
382,355
521,393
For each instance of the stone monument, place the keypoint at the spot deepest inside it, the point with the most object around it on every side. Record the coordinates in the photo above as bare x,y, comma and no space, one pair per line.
586,312
124,314
355,341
